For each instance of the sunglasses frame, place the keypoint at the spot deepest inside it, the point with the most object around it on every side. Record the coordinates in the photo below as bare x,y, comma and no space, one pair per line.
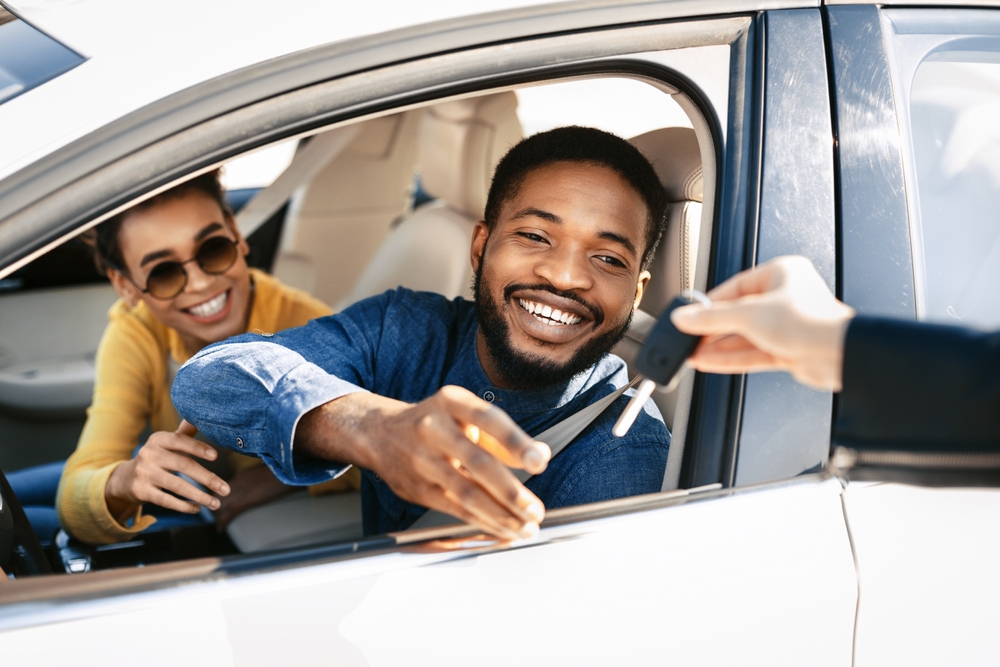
236,254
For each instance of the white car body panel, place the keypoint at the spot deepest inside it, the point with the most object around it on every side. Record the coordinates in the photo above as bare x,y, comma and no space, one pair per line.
928,567
131,65
775,585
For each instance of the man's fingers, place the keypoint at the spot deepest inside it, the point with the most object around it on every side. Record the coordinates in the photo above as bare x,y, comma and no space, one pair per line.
450,488
486,471
467,408
485,510
187,428
507,529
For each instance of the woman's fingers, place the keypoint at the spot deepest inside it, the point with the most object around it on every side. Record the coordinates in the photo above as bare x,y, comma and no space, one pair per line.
184,443
163,480
186,428
168,453
197,472
162,499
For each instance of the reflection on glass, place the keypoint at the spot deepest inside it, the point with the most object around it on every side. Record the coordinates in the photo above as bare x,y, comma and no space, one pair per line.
955,104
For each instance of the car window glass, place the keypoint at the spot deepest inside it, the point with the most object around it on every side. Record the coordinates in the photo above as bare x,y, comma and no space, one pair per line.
956,151
947,89
259,168
625,107
29,58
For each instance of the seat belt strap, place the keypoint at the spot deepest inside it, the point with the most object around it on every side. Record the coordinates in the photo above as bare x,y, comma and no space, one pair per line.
556,437
559,436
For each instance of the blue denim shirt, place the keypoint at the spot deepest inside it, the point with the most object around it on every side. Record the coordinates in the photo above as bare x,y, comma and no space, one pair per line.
248,393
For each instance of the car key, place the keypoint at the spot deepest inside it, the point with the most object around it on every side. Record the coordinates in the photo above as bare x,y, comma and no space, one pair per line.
661,357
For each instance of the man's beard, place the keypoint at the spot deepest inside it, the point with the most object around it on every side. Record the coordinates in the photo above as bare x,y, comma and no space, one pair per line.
526,371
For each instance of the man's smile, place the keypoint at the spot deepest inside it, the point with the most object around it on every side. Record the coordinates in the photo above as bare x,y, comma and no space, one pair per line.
550,318
548,315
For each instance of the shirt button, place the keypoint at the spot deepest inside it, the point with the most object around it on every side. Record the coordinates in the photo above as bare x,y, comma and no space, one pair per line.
377,478
239,442
489,397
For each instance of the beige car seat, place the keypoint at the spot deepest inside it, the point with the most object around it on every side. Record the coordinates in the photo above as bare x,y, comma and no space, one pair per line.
675,155
340,218
460,143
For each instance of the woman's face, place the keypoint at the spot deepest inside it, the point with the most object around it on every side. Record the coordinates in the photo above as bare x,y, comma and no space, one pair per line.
211,307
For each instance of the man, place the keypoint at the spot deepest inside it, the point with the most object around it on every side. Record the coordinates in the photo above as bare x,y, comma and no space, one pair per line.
401,384
910,384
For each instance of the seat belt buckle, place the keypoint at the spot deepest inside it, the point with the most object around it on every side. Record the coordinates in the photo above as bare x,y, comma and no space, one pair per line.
661,357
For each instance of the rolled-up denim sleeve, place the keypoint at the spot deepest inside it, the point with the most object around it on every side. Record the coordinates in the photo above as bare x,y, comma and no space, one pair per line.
248,395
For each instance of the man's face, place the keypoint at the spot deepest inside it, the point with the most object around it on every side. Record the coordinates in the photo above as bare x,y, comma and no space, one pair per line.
559,277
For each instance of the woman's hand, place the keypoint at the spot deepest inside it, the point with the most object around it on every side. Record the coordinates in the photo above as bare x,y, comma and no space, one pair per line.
147,477
248,488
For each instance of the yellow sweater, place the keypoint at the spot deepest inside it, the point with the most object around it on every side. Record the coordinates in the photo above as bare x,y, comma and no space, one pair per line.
132,391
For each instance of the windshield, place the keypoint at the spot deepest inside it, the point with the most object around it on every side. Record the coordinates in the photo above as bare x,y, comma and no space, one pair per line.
29,58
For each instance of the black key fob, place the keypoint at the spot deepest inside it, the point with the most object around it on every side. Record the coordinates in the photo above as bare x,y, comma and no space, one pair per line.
666,349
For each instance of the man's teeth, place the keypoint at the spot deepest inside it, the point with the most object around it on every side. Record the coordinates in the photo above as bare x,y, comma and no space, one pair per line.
210,307
547,314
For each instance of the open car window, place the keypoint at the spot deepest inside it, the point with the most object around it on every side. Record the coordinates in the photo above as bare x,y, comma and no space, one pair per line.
333,226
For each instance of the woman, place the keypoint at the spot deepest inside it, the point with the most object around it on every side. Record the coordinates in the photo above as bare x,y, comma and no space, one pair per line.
177,262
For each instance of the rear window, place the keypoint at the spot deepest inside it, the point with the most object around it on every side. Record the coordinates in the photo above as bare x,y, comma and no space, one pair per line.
29,58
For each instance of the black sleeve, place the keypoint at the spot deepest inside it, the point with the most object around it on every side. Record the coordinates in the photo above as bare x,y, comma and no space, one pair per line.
923,385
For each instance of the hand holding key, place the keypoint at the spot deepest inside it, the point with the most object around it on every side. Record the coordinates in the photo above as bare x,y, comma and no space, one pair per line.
779,316
662,356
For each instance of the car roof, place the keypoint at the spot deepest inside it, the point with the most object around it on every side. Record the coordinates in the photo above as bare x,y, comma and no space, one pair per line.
139,52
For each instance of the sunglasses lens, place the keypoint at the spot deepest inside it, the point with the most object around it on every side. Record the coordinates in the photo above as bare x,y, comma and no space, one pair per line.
216,255
166,280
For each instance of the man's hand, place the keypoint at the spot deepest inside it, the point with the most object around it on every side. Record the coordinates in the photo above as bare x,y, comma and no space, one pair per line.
425,454
147,477
779,316
249,487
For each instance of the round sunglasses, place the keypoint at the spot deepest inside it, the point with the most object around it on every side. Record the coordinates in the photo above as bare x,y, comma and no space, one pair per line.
166,280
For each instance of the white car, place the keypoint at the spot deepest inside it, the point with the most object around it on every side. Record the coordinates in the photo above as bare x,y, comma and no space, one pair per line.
862,136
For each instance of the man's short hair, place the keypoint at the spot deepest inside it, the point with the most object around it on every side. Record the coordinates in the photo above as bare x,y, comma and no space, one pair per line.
581,144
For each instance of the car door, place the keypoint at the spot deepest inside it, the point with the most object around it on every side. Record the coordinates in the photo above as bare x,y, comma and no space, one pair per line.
760,570
919,241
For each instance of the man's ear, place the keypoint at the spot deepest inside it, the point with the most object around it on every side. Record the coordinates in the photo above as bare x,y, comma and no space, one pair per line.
127,292
479,236
640,288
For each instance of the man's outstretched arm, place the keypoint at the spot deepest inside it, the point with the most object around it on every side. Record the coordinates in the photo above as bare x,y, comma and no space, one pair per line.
424,453
260,398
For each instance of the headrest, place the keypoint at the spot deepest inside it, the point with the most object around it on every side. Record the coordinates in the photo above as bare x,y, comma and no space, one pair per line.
460,144
677,160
